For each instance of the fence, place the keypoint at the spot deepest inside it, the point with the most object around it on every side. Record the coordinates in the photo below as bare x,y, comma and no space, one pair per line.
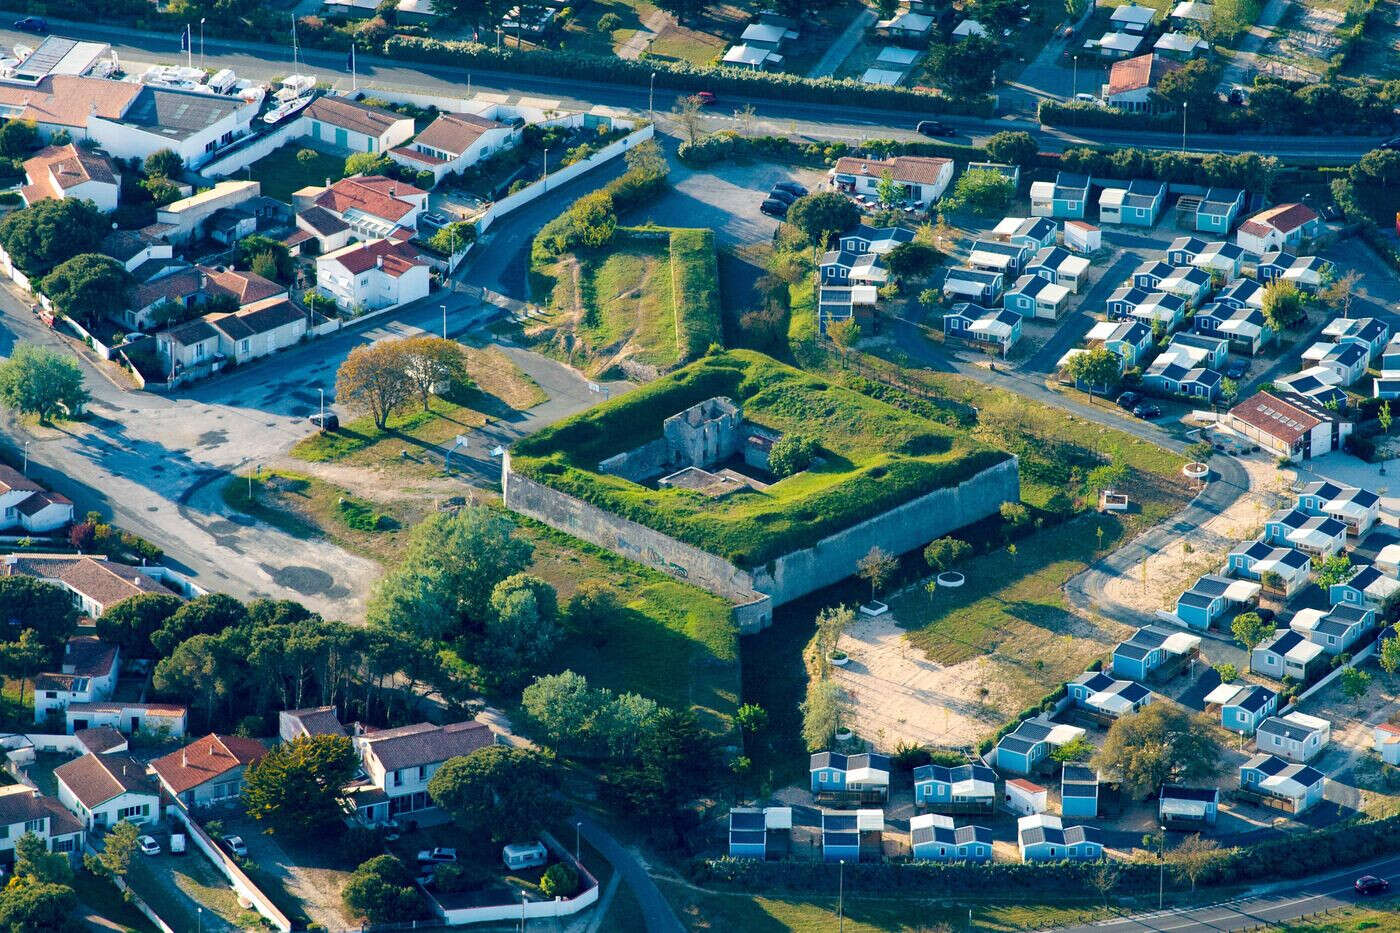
532,910
240,881
135,900
566,174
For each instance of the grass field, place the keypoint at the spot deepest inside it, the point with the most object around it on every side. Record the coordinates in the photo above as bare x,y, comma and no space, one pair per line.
1382,914
711,910
280,172
675,643
646,296
500,388
875,456
583,34
306,507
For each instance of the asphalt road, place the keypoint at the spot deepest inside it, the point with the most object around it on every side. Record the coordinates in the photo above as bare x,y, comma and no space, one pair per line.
816,121
1276,904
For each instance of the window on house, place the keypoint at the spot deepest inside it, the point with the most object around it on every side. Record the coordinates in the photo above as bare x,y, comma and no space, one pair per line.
34,826
65,845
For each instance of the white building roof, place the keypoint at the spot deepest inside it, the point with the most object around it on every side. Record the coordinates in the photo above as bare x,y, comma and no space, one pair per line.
969,27
1241,591
870,820
882,76
1132,14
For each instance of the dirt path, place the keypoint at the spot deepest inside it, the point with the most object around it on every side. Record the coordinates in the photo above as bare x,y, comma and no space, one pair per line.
651,28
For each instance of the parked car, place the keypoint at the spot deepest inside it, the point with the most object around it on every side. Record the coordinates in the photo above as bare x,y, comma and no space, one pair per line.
792,188
1147,411
236,845
148,845
774,208
436,856
434,219
778,194
330,421
1370,884
706,98
1237,368
934,128
1084,97
1390,144
35,24
1128,400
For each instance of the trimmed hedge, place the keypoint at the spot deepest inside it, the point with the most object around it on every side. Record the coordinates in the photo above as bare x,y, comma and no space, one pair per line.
1054,113
695,292
727,144
680,76
1292,856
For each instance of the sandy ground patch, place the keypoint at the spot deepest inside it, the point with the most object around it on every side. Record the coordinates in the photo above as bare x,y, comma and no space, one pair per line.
1174,569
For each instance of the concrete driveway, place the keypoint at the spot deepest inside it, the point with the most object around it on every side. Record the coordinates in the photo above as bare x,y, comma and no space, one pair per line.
314,874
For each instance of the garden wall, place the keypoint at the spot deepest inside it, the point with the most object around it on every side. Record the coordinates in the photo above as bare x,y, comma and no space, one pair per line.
789,577
241,883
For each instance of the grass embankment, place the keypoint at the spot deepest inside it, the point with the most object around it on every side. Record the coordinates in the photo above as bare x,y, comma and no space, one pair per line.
875,456
499,389
306,507
714,910
1382,914
674,643
650,296
280,173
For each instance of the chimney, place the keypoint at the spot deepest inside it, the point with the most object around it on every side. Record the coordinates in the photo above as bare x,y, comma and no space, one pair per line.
184,757
379,261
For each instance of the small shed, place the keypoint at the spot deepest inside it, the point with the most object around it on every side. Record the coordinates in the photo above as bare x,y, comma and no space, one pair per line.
1025,797
1079,791
1082,237
1188,808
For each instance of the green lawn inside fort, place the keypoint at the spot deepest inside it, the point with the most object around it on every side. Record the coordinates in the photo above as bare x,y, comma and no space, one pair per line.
650,296
873,456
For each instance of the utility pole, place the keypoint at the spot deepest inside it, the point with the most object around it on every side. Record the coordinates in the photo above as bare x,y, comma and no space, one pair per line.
444,321
651,96
1183,126
201,42
1161,864
841,899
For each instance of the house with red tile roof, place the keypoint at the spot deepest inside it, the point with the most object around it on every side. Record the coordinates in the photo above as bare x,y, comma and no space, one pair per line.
88,672
96,582
453,143
922,179
57,172
1288,425
207,771
372,276
1281,227
1132,83
370,205
24,504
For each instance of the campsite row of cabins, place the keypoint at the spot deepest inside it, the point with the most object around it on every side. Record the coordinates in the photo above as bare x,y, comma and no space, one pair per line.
1025,252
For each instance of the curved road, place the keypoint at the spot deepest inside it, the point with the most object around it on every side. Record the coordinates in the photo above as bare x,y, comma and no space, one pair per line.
655,909
1286,901
1086,592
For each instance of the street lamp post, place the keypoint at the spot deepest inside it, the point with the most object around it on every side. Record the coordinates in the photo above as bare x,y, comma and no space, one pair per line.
578,825
1161,864
323,407
444,321
1076,76
201,42
651,96
841,897
1183,126
25,470
544,174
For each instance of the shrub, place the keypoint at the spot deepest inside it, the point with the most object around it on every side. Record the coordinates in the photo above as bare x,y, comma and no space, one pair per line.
791,453
559,880
608,22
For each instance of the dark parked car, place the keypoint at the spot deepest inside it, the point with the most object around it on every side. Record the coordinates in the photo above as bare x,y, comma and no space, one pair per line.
1147,411
1128,400
934,128
774,208
1237,368
791,187
330,421
36,24
434,219
1370,884
778,194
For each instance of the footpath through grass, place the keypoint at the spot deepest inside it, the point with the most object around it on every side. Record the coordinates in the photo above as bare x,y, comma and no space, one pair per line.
306,507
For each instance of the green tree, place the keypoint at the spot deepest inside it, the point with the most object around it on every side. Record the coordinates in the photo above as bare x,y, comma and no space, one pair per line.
1329,571
751,718
1383,416
559,880
24,658
594,603
47,232
791,453
130,623
845,333
454,237
1283,305
114,861
210,614
877,568
1355,683
964,67
944,553
494,792
912,259
40,907
165,163
383,891
820,216
367,163
443,584
1194,857
34,862
1389,658
435,366
1012,147
1160,743
1095,370
984,191
889,191
38,381
88,287
561,705
295,788
28,603
592,220
676,761
18,138
1228,672
1076,749
251,247
1250,629
523,628
682,10
822,712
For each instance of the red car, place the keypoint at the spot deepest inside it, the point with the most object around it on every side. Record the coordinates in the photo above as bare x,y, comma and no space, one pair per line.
705,98
1370,884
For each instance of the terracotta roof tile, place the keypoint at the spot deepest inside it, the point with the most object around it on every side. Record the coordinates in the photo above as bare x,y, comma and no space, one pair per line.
455,132
360,118
920,170
205,759
396,258
1141,71
244,287
372,194
96,779
100,580
1275,416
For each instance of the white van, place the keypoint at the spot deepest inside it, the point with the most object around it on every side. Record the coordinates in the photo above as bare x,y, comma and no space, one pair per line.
524,855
